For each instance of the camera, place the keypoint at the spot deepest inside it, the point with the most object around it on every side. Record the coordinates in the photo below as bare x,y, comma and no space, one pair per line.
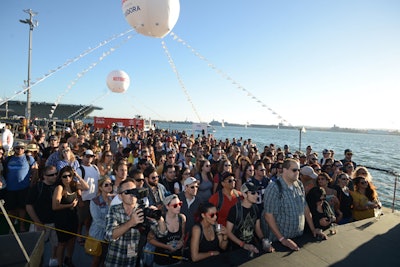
140,194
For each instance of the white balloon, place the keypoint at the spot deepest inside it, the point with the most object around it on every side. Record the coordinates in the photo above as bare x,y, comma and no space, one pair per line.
118,81
155,18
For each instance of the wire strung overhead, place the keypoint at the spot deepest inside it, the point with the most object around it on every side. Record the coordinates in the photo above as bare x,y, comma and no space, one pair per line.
66,64
227,77
82,73
174,69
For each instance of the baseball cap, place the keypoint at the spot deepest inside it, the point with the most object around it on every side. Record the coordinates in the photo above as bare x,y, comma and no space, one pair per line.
248,187
325,151
19,144
183,145
189,181
89,152
309,171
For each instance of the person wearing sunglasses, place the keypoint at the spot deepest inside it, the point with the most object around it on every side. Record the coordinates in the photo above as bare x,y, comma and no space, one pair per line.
39,208
99,206
64,202
243,222
205,241
20,171
190,203
226,197
365,198
322,214
345,198
122,227
287,191
169,245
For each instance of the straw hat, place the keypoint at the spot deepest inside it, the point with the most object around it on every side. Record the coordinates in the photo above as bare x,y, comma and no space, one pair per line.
32,148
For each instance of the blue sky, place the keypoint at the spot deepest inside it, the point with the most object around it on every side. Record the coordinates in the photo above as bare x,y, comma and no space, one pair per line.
312,63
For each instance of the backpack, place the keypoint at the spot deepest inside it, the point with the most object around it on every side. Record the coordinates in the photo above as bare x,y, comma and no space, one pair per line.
221,198
83,170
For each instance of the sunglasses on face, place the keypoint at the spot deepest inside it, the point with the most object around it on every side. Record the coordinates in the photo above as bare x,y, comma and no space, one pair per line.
65,176
132,192
154,177
107,184
252,192
212,215
179,204
139,180
194,186
295,170
51,174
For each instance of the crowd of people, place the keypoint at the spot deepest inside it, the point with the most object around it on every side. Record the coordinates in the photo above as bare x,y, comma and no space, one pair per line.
159,197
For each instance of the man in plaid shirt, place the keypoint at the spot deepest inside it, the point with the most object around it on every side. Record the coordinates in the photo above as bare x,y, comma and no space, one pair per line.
121,230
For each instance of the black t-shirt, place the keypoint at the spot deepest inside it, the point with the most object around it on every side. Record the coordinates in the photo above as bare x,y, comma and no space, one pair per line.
244,229
40,196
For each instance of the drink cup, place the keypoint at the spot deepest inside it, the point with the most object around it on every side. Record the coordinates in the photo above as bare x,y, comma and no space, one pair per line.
266,244
218,228
332,229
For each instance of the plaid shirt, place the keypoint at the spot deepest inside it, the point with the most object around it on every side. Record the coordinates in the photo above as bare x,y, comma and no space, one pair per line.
118,249
287,208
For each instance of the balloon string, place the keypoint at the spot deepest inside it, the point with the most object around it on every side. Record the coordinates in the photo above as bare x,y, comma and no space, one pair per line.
174,69
146,106
66,64
82,73
79,111
227,77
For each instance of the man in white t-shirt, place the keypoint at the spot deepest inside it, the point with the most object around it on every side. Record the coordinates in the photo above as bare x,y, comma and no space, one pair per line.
7,139
90,173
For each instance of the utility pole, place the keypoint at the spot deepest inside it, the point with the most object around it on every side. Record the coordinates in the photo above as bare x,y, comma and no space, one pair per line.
32,24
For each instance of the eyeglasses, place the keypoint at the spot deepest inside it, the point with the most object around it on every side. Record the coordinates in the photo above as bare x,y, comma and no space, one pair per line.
65,176
212,215
179,204
154,177
18,148
171,157
131,191
107,184
262,170
295,170
230,180
139,180
194,186
51,174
